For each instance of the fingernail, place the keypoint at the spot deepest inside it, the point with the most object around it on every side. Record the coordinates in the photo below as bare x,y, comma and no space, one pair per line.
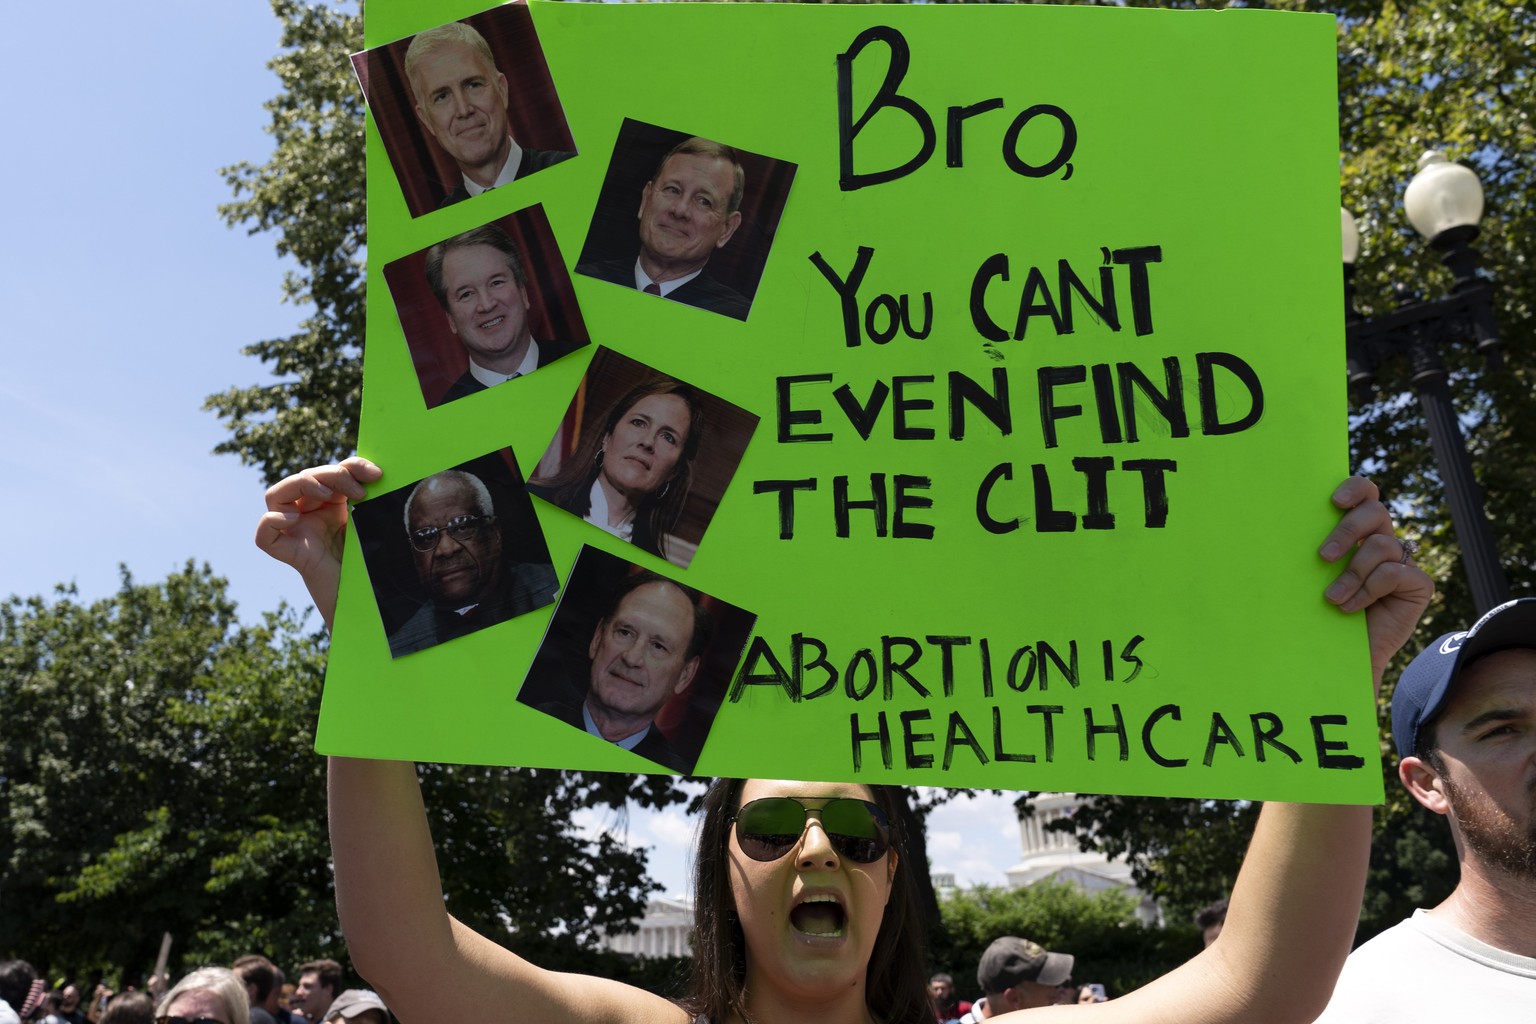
325,492
1336,591
1332,550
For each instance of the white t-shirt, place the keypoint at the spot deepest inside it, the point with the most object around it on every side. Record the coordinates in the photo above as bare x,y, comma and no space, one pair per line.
1425,970
8,1015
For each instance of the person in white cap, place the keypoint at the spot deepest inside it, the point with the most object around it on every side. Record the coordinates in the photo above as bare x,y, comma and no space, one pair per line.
358,1006
1464,722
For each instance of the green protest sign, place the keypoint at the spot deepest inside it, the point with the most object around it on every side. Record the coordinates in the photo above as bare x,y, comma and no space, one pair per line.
987,412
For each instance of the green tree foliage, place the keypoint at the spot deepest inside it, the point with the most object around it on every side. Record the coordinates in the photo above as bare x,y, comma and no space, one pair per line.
1101,930
312,194
154,776
157,774
515,870
1452,74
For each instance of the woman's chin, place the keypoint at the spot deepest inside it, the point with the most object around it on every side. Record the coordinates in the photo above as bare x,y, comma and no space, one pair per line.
814,970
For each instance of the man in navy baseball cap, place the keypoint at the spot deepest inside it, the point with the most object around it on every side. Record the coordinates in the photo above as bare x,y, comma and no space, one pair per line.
1464,722
1427,682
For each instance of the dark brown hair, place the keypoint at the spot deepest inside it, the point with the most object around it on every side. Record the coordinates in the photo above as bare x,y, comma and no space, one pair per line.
485,234
1210,915
257,970
329,972
129,1008
893,985
571,487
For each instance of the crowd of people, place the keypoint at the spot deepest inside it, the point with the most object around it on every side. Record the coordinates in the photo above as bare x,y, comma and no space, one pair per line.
252,990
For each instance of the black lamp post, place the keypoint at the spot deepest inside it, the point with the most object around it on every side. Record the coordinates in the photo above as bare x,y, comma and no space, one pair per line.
1443,202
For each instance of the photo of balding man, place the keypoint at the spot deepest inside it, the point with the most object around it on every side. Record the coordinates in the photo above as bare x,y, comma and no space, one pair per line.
453,553
486,306
637,658
686,218
466,107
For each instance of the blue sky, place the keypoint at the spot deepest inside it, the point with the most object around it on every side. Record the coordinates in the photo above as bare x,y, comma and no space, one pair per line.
126,302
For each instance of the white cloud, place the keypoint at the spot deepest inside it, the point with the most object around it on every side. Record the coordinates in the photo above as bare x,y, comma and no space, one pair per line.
976,839
940,843
980,872
669,840
672,828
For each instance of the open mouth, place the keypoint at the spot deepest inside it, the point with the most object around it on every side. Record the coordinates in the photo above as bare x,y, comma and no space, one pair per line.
492,324
821,916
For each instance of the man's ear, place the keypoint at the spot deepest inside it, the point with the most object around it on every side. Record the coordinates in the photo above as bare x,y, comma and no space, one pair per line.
597,636
645,195
732,222
451,325
685,678
1424,783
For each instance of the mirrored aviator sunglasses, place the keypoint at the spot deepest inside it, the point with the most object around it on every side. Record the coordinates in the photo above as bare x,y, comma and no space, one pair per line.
769,828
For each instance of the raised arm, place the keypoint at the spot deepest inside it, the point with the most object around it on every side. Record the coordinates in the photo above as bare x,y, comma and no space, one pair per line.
427,965
389,896
1294,908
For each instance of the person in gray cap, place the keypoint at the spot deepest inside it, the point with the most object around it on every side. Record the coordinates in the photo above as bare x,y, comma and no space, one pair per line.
1016,974
1464,723
358,1006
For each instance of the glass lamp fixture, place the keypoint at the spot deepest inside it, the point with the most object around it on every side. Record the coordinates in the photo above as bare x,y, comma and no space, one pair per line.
1442,196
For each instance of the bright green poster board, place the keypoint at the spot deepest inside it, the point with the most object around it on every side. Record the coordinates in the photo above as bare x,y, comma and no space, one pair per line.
1152,625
